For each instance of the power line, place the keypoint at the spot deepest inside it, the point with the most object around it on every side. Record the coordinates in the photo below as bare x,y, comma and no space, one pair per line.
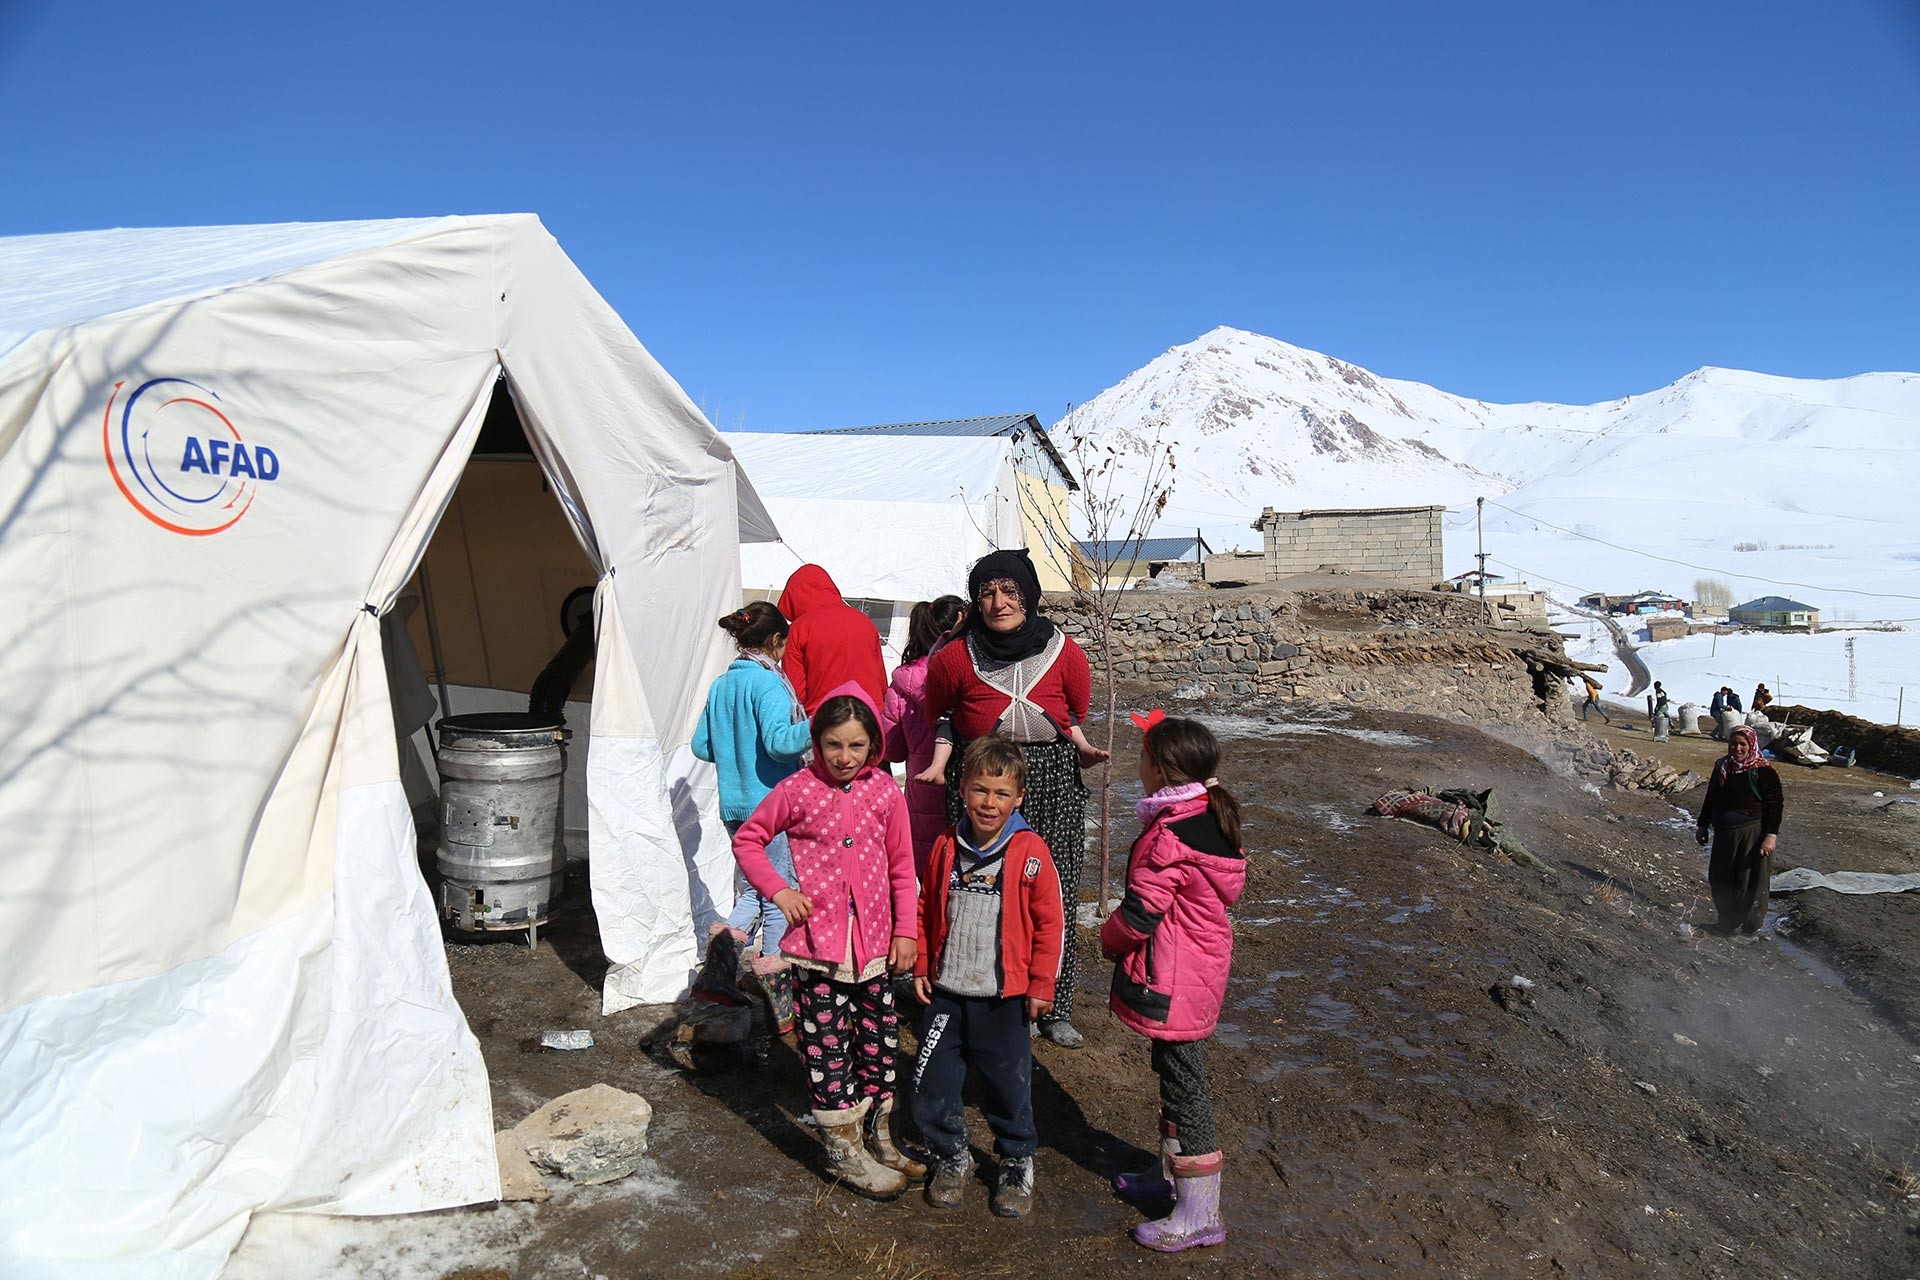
1701,568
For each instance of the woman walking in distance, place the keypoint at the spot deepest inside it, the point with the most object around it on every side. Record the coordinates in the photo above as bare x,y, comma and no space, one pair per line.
1742,815
1016,674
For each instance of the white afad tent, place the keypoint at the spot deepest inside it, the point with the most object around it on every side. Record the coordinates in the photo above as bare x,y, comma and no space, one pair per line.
892,519
222,452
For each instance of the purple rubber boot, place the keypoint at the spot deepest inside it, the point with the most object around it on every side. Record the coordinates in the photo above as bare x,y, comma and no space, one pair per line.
1195,1221
1154,1184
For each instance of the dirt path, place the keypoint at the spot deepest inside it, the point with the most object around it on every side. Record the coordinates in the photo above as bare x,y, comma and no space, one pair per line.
1394,1100
1622,647
1836,820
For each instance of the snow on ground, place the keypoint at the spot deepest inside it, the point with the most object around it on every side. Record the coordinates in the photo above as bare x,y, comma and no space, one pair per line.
428,1246
1805,670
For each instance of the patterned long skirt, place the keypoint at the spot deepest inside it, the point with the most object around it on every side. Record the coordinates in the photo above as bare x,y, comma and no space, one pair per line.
1056,809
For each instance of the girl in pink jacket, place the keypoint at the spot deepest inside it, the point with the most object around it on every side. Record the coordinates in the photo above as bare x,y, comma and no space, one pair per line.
1173,945
910,736
852,924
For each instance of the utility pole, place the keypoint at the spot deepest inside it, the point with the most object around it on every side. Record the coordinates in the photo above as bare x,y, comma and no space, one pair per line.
1480,543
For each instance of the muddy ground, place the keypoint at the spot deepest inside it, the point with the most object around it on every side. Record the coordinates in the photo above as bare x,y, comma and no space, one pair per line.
1656,1103
1837,820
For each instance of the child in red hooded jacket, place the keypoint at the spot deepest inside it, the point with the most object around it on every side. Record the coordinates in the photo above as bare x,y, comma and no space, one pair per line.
831,641
1173,944
852,921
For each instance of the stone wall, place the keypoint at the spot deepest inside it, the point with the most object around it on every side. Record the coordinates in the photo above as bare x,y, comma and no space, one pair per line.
1881,746
1401,544
1432,652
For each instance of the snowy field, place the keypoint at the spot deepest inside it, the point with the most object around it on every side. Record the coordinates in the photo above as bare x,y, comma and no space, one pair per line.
1800,669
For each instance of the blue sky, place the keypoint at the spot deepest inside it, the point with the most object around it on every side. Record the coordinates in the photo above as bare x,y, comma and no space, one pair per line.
831,214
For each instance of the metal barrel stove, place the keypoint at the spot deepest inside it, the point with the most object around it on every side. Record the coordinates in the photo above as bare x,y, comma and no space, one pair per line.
502,854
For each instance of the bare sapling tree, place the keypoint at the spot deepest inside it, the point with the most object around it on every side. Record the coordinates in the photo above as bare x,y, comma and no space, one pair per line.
1122,493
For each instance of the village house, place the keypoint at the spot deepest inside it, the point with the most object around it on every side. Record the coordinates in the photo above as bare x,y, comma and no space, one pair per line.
1638,603
1400,544
1513,604
1667,628
1130,560
1774,611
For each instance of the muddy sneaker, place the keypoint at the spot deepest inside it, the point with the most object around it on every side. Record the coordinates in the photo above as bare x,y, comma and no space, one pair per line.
718,981
1062,1033
949,1181
1013,1193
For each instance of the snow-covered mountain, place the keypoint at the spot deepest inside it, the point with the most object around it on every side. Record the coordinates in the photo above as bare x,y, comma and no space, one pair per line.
1766,485
1257,422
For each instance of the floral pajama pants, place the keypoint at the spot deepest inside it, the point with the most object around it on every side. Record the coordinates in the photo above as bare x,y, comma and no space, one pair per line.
849,1036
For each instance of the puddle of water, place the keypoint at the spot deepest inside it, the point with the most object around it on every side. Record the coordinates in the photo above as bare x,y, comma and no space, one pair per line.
1329,1011
1284,1064
1402,914
1232,1036
1811,964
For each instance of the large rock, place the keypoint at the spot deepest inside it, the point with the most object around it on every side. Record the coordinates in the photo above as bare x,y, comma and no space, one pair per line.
589,1135
519,1180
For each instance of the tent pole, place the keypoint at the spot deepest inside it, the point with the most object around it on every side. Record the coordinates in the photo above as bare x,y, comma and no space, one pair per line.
433,641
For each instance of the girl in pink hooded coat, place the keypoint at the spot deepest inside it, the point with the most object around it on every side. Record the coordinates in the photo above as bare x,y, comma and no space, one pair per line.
853,924
910,736
1173,946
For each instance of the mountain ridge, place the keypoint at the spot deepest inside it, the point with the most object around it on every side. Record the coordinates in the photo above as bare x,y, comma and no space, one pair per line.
1258,422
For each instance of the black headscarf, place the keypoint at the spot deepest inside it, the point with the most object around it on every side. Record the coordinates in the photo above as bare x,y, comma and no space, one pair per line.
1032,635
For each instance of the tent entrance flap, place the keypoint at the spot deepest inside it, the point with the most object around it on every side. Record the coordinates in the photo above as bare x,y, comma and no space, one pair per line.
512,548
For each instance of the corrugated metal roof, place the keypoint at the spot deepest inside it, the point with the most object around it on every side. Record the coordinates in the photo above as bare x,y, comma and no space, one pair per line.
1142,549
1773,604
997,425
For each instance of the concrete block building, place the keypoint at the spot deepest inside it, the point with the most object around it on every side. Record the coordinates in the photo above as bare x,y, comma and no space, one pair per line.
1397,543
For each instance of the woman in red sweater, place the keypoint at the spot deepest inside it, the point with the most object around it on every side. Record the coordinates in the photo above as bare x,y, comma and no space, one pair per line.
1019,676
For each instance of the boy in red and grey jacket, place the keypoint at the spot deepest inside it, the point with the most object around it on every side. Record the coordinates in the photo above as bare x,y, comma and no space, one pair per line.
992,928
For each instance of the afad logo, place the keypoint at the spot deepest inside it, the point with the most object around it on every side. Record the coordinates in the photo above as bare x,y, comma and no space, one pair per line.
178,458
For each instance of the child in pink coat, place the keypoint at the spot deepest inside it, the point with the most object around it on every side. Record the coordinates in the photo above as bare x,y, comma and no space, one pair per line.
852,924
910,736
1173,946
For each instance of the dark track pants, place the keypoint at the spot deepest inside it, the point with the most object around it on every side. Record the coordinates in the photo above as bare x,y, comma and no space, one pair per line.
1738,875
990,1035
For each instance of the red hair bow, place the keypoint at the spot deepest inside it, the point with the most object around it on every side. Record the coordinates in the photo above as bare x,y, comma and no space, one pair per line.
1147,721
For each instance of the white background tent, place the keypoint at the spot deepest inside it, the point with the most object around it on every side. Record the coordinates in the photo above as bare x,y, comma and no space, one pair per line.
893,519
222,986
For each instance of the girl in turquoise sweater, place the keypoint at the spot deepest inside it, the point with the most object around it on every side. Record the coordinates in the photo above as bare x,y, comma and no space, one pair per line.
755,733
